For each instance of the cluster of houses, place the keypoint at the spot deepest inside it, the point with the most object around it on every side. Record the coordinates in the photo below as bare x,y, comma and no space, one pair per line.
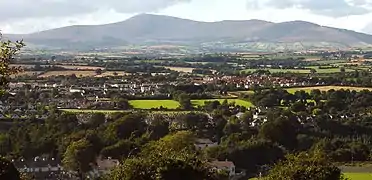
250,81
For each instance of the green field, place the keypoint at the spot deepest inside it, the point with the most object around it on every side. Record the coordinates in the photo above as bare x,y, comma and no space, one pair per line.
359,176
237,102
148,104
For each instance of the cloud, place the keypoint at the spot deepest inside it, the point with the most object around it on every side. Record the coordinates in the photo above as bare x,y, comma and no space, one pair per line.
368,28
331,8
19,9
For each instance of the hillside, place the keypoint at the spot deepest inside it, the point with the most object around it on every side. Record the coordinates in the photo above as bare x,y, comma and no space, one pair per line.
155,29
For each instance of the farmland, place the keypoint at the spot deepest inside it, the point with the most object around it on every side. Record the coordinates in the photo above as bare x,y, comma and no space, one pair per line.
180,69
68,73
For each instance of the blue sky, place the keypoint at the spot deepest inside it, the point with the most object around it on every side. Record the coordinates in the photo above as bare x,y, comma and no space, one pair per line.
25,16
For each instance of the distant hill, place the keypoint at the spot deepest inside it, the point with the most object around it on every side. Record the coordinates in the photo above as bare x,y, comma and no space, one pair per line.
156,29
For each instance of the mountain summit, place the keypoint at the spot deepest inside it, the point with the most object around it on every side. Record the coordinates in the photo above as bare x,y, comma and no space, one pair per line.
150,29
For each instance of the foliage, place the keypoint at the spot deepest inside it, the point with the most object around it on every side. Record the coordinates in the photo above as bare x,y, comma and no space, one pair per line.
79,156
8,50
305,166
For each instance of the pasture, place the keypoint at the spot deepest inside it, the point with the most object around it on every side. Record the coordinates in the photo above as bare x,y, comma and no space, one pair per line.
149,104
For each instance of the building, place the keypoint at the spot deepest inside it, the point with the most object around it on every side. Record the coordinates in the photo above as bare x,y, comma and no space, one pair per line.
227,166
204,143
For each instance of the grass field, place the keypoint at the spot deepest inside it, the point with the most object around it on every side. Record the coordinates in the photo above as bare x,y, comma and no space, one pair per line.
326,88
237,102
111,73
68,73
180,69
148,104
171,104
359,176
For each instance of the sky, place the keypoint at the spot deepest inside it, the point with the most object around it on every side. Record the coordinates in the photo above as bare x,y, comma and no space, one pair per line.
27,16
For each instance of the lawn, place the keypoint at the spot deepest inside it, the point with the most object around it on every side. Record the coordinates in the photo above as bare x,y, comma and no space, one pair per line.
148,104
237,102
359,176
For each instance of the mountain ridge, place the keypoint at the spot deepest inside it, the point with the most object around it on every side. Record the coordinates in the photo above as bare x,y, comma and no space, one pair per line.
148,28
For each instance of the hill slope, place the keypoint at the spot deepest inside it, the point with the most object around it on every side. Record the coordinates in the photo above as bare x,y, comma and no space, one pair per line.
145,29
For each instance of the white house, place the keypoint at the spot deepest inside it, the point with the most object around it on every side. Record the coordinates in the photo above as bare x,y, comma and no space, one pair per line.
228,166
204,143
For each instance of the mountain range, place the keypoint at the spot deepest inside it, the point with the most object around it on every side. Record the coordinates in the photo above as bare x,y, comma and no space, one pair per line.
148,29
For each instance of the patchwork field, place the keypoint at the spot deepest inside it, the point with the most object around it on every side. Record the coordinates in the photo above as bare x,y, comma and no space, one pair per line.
236,101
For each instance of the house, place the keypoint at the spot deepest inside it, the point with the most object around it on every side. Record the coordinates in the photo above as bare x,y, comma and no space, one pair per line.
106,164
204,143
228,166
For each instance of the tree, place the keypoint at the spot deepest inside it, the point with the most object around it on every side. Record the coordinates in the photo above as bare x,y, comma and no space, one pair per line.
8,50
79,156
282,130
8,171
167,159
305,166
